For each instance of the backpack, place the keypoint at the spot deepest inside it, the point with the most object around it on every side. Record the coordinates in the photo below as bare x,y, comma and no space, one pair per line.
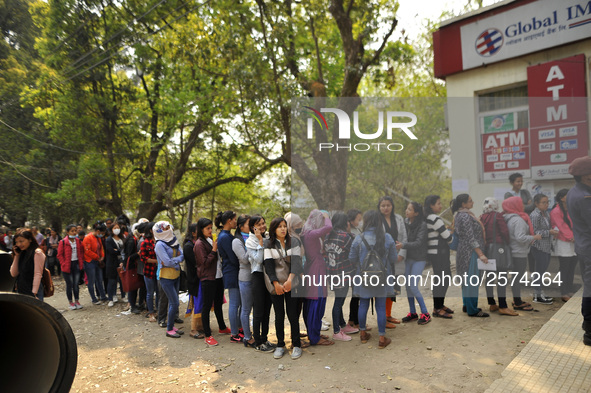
47,283
372,266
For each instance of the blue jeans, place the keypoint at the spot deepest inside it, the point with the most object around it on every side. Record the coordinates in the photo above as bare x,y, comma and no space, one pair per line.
338,319
470,288
380,306
171,288
234,310
95,275
246,299
71,280
414,269
542,262
151,287
111,288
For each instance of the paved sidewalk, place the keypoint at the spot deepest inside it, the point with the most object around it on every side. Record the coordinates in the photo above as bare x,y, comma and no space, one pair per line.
555,360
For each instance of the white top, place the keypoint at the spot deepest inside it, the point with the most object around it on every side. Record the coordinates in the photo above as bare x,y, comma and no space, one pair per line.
74,249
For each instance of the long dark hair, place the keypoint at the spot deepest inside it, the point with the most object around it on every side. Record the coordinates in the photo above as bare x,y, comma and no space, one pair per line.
189,235
430,201
273,229
202,223
559,195
393,225
418,209
373,219
456,204
253,221
222,218
28,235
242,219
339,222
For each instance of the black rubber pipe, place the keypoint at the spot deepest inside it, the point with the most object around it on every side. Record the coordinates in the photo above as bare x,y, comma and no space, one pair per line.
38,351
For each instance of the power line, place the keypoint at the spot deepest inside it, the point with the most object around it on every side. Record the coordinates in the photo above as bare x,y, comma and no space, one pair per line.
2,159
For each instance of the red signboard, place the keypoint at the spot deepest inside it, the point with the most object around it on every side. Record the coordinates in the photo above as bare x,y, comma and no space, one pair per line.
557,116
504,153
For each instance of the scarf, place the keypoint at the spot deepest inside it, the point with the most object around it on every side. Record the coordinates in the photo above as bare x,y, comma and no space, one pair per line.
252,242
166,236
514,205
293,221
464,210
491,204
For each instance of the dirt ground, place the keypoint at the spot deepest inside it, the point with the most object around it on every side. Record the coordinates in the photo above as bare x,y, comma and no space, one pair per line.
127,353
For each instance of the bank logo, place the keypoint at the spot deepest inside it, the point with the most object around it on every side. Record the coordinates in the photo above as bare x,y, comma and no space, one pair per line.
489,42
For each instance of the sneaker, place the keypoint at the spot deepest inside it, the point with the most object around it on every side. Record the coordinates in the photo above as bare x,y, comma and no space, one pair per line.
211,341
78,305
135,310
179,332
424,319
178,320
111,304
349,329
97,303
324,327
325,322
270,344
547,297
225,331
340,336
115,300
162,324
542,299
265,348
296,353
279,352
235,339
72,306
410,317
172,334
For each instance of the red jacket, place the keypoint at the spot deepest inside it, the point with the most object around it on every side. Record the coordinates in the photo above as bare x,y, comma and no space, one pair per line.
64,254
91,245
501,230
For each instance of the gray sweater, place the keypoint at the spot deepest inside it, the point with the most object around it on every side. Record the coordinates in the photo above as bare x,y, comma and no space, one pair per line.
240,251
519,238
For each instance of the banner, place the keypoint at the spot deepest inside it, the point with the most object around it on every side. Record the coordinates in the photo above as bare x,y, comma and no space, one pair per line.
504,153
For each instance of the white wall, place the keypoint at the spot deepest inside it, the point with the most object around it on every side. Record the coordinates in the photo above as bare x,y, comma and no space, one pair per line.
462,88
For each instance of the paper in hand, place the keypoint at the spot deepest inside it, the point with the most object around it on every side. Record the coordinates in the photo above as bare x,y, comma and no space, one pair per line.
490,266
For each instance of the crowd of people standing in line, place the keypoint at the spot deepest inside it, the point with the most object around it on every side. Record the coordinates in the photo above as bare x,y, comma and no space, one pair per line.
262,267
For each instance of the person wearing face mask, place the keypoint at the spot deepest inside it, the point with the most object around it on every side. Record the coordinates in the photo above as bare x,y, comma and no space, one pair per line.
169,255
94,257
148,257
70,254
114,255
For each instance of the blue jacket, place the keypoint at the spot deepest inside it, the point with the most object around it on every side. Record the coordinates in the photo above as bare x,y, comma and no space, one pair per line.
357,255
230,262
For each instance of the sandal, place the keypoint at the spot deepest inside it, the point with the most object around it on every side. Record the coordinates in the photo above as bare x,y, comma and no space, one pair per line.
480,314
305,344
197,336
442,314
523,307
447,310
324,341
322,336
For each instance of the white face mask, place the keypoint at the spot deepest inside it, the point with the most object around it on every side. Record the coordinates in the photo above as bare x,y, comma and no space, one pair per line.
72,237
360,225
116,231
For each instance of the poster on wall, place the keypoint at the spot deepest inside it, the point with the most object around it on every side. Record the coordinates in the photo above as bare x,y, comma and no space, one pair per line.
504,153
498,123
557,116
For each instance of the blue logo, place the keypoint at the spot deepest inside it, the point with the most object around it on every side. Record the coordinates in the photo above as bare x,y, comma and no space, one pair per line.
570,144
489,42
519,156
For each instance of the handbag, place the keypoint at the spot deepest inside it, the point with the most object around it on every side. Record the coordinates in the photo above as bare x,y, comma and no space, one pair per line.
282,269
499,252
47,283
455,240
130,279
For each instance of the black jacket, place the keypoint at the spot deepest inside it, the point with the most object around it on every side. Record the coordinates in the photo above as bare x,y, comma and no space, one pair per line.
191,266
416,245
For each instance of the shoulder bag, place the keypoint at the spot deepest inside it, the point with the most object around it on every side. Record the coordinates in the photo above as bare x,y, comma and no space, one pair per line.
499,252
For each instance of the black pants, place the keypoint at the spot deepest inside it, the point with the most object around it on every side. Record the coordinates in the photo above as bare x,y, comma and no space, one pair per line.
163,305
261,305
585,263
441,267
280,304
567,273
354,310
213,293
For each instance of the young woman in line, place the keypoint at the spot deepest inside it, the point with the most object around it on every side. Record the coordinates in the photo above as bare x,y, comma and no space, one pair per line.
393,225
94,258
521,237
261,298
541,249
70,254
282,262
317,226
373,238
355,217
438,239
565,244
148,257
52,245
470,232
169,255
227,221
495,225
337,247
114,256
206,259
27,264
195,296
416,259
244,277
